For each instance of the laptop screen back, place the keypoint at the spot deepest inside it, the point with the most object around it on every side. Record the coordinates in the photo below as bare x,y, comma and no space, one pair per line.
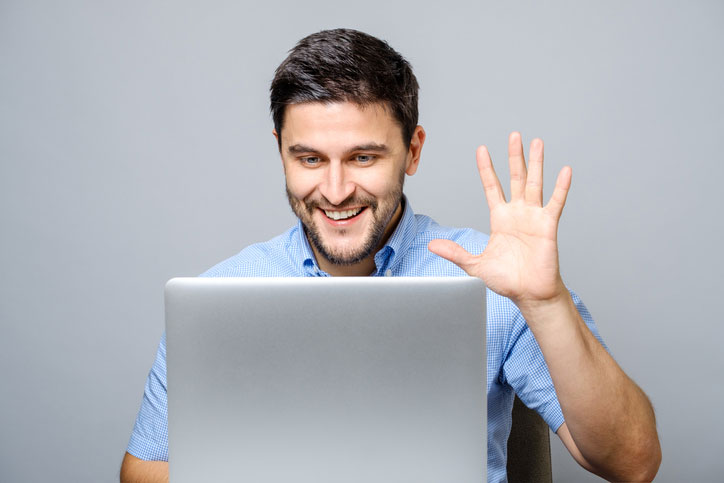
326,379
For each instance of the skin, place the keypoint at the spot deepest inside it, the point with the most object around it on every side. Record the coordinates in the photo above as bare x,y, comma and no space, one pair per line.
134,470
325,148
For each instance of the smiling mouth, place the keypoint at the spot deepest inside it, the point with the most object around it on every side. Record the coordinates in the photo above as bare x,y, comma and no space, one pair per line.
344,214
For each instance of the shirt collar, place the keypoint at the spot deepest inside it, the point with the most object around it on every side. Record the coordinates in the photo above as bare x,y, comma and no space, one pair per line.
309,263
390,256
387,258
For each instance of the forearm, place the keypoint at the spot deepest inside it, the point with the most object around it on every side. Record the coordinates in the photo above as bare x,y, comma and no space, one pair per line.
135,470
608,416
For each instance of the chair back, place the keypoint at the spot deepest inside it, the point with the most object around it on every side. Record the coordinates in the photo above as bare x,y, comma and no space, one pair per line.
529,447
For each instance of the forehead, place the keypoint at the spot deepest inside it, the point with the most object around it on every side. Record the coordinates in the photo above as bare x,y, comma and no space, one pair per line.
339,124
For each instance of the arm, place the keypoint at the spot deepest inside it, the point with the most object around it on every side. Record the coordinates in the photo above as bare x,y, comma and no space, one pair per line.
620,443
135,470
610,428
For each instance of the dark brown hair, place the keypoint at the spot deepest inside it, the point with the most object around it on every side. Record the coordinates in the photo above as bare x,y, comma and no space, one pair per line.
344,65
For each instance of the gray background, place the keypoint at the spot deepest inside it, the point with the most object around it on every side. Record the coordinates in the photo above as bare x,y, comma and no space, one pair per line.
136,145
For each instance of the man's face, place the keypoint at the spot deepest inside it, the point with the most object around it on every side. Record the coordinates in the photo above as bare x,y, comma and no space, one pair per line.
345,167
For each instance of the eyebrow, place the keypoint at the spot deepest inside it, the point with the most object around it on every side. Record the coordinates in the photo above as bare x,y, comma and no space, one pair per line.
373,147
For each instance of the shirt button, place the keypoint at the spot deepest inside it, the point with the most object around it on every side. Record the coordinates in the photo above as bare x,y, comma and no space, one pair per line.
388,273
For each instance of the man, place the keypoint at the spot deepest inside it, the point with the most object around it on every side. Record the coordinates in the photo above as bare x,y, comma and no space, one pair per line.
344,106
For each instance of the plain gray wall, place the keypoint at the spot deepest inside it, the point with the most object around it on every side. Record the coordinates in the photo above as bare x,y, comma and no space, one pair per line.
136,146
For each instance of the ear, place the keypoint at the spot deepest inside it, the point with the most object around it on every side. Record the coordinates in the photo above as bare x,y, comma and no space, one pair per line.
413,154
279,144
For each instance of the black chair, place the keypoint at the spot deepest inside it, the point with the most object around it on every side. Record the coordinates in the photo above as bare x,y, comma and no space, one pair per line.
529,447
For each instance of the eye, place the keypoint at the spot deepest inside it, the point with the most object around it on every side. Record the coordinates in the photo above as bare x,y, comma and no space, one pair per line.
310,160
364,158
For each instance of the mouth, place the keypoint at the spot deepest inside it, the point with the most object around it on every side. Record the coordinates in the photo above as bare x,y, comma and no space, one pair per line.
342,215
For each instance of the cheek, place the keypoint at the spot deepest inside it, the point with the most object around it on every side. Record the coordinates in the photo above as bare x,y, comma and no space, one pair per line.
300,184
381,184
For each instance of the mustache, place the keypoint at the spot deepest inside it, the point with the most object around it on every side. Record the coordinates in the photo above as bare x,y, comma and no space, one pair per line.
311,205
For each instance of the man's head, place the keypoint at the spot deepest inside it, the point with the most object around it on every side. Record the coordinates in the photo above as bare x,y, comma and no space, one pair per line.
345,114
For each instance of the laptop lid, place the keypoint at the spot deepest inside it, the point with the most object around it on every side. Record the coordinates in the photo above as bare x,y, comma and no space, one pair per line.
326,379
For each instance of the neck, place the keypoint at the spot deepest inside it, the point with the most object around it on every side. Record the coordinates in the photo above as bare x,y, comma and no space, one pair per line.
366,266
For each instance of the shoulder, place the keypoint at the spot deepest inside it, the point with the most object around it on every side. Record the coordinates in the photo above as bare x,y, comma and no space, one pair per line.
273,258
416,260
470,239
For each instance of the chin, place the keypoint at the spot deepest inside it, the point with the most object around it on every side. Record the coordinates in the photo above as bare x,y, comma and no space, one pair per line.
346,253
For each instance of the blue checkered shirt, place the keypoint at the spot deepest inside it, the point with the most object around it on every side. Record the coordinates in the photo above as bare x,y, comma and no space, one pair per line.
515,361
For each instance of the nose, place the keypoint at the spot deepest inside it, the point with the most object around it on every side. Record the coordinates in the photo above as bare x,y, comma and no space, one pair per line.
336,187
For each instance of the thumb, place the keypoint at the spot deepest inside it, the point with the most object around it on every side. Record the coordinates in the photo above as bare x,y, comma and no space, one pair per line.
449,250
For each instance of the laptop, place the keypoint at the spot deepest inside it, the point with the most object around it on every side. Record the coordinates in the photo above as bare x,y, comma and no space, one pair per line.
349,379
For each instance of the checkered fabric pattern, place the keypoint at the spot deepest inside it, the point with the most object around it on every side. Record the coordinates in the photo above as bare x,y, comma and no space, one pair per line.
515,362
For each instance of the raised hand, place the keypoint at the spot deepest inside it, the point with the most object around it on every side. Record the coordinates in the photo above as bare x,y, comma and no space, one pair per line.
521,259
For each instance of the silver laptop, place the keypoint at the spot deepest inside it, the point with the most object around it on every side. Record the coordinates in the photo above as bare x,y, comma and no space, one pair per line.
326,380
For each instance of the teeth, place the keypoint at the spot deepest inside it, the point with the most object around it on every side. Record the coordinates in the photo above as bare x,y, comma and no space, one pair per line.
342,215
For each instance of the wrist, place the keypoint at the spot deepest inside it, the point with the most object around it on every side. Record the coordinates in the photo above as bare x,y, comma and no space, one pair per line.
546,311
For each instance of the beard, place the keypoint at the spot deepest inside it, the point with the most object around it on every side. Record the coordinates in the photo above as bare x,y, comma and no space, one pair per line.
381,211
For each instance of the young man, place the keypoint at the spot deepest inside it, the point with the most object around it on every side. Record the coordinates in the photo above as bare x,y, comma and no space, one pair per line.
344,106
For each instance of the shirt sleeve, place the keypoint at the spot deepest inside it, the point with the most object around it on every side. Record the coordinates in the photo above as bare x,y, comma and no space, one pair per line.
149,439
526,371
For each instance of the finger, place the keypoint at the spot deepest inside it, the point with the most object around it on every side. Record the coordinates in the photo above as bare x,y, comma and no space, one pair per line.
534,183
449,250
516,163
560,192
493,191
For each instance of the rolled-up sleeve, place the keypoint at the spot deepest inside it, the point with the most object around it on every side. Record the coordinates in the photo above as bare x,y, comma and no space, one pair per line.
149,439
526,371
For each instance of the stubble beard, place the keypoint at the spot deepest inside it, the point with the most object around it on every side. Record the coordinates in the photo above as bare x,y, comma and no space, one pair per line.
382,212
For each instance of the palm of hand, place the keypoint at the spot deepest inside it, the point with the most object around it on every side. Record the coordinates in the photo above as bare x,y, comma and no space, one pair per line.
521,259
